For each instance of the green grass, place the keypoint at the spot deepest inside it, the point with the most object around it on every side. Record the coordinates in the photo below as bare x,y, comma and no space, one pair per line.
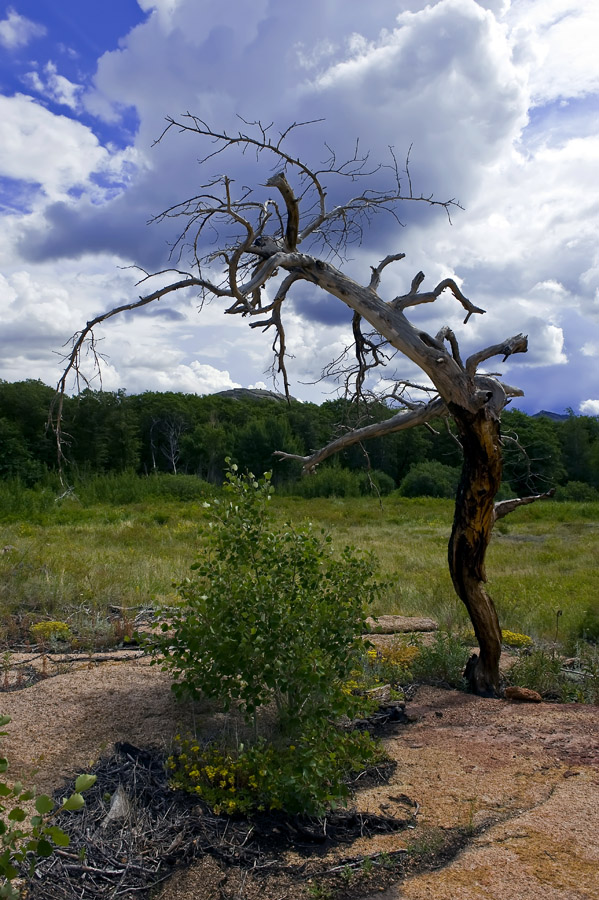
74,558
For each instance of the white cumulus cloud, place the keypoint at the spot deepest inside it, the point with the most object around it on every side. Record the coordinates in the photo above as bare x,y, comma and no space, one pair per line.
195,378
54,87
556,41
18,31
37,146
589,408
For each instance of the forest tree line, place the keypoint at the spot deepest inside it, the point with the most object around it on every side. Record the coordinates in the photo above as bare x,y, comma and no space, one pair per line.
178,433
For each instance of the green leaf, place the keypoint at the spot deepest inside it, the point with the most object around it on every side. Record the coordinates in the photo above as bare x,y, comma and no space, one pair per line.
60,838
3,764
74,802
4,720
44,804
84,782
44,848
9,872
17,815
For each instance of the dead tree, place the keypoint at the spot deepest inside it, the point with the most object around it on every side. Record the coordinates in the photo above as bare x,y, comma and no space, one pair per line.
285,233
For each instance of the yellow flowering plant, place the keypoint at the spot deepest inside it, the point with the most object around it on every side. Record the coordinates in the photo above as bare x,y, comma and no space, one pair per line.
308,776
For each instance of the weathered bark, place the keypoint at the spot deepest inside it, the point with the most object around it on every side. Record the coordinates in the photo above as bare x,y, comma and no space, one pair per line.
472,526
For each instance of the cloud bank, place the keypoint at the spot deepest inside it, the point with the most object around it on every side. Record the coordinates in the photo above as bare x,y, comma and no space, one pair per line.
498,102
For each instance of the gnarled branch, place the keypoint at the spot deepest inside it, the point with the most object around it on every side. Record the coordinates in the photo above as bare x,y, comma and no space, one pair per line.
292,231
377,271
399,422
414,298
516,344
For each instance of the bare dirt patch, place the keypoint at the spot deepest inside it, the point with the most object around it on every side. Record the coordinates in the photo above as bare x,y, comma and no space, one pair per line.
507,795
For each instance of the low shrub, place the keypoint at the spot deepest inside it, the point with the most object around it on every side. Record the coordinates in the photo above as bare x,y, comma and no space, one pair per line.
270,614
430,479
21,502
543,671
401,655
442,661
577,491
306,777
515,639
50,632
328,481
392,664
334,481
123,488
512,639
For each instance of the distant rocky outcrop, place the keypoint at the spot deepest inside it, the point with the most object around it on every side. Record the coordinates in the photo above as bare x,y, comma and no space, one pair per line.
252,394
555,417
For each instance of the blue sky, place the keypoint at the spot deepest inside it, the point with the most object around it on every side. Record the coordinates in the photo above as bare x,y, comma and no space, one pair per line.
499,101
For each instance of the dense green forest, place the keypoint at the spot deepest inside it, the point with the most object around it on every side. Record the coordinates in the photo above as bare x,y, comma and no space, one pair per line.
184,433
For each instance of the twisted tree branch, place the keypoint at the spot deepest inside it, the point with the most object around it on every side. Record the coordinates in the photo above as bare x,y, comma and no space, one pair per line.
399,422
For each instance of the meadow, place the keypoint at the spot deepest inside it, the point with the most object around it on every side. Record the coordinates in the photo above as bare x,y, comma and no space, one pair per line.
118,544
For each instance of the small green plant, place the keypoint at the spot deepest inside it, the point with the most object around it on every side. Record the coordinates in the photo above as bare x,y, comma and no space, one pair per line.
443,660
543,671
428,843
512,639
515,639
588,629
307,776
319,892
367,865
540,670
49,632
26,838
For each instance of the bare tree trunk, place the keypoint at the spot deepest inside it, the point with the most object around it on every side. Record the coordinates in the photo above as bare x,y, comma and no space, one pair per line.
472,526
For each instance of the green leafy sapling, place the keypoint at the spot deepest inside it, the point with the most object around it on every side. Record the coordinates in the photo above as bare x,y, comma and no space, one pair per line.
270,614
26,837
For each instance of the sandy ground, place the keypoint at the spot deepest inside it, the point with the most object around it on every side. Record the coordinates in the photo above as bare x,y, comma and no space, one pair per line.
520,781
